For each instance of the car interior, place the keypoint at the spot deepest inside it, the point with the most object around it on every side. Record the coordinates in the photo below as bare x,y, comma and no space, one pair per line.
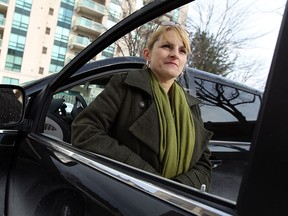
66,105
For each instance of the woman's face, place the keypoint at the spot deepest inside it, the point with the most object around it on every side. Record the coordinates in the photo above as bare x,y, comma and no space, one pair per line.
167,57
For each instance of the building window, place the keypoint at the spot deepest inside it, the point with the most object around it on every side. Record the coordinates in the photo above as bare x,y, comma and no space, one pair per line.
2,19
9,80
106,54
62,32
41,70
13,62
51,11
17,38
47,31
44,50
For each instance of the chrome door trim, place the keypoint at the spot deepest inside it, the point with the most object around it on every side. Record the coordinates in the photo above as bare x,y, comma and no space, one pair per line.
189,205
7,132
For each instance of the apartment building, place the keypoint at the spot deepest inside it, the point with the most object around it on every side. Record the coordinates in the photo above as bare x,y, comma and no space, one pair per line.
38,37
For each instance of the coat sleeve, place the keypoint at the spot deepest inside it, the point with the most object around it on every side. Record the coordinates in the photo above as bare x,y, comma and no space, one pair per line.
91,128
201,168
199,174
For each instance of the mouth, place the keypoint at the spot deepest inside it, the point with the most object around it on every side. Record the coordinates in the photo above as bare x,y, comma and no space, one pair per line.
172,63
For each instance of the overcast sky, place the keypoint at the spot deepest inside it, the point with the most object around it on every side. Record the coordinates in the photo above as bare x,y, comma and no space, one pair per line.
271,14
263,17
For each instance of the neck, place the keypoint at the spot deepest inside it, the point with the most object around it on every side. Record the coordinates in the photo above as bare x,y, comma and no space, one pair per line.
167,85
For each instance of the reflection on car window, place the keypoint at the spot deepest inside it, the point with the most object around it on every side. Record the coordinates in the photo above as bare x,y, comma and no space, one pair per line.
229,112
222,103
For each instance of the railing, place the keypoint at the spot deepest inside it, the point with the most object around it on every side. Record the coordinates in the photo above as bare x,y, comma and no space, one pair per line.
98,27
4,1
92,5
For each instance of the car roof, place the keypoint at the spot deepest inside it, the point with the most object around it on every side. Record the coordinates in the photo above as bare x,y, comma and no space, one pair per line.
222,80
133,63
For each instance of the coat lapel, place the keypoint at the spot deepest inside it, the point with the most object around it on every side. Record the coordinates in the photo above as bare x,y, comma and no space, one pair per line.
146,128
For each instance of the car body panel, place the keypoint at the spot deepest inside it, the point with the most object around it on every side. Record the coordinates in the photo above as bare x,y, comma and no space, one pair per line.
7,140
60,177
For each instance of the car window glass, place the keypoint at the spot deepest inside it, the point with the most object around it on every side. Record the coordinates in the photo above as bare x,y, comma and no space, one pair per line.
221,103
229,112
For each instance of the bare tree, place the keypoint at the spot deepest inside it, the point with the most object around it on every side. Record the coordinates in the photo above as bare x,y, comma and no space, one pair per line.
133,43
220,32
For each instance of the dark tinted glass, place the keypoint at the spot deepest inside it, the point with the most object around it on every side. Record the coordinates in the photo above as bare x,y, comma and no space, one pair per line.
229,112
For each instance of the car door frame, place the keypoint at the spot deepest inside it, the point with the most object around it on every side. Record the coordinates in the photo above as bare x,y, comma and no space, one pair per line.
264,185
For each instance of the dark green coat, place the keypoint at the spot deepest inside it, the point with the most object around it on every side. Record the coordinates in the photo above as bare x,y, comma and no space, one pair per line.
122,123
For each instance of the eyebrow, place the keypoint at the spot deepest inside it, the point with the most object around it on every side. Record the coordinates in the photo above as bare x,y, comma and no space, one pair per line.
171,43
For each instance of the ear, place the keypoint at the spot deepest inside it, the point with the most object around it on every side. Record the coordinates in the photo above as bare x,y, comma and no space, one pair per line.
146,54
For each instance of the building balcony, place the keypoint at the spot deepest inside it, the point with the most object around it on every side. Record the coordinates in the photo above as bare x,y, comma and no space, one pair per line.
3,5
91,8
88,26
79,43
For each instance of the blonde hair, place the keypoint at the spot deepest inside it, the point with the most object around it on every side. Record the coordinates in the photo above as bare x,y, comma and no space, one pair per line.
181,32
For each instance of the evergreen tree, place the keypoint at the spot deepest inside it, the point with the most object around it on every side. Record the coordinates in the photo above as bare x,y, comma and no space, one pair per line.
209,55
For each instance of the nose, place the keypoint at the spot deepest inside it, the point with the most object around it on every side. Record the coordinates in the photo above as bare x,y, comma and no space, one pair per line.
174,52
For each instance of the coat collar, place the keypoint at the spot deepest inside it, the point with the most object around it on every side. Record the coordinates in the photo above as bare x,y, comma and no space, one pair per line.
191,99
141,79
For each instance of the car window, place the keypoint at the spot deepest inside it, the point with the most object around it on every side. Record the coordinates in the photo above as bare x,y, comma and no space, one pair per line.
222,103
227,109
229,112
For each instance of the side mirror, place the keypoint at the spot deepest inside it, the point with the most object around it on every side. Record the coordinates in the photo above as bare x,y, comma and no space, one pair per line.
12,104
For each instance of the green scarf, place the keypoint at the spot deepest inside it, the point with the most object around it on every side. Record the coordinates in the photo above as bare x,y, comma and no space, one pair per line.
177,132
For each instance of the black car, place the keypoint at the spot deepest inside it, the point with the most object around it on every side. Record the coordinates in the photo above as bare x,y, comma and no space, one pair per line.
41,173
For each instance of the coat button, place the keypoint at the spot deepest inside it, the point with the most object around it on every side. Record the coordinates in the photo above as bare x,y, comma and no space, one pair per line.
141,104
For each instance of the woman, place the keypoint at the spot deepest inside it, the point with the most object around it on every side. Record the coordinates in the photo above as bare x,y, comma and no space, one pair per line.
145,119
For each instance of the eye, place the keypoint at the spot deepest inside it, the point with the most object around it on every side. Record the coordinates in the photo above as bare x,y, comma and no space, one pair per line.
166,46
183,50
